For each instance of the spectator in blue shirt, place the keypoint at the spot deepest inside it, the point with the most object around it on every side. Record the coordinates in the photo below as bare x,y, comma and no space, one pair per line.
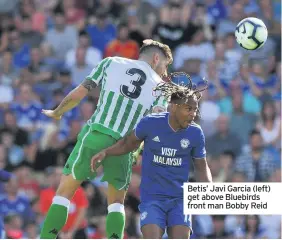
21,52
14,203
26,108
101,33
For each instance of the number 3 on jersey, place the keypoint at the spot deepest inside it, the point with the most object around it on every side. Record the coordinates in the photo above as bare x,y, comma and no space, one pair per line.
135,93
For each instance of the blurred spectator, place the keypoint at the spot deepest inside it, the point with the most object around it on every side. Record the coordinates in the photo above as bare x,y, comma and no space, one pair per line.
73,14
6,25
251,103
112,8
270,125
209,113
216,10
7,6
256,161
28,186
81,69
64,84
15,153
14,203
195,47
200,19
271,224
13,226
235,16
226,162
31,230
103,32
20,51
223,139
41,71
241,123
122,46
10,123
76,222
137,31
7,96
169,30
100,231
70,141
29,36
233,57
237,176
62,37
218,228
97,202
86,111
8,72
3,163
93,55
27,109
131,225
252,228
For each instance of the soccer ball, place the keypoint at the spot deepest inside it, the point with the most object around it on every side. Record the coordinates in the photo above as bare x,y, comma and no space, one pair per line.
251,33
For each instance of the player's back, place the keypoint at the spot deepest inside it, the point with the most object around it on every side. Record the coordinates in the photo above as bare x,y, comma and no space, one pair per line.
126,95
167,156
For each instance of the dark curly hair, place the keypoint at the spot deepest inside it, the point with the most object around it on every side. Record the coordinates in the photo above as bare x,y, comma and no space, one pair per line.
180,92
174,91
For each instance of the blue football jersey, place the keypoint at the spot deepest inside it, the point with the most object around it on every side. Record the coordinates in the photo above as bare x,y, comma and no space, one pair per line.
167,156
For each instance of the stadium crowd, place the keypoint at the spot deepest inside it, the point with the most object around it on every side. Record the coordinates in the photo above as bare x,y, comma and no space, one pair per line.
48,47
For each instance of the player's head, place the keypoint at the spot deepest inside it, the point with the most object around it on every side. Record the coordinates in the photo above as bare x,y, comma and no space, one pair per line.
184,101
158,55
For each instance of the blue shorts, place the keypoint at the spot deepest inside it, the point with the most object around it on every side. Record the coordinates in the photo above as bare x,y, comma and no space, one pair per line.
164,213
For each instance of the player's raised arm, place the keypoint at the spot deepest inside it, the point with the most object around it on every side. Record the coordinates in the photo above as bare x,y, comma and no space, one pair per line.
203,172
81,91
125,145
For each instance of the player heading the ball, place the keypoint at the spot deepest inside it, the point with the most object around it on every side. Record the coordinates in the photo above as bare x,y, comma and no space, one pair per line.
171,141
125,97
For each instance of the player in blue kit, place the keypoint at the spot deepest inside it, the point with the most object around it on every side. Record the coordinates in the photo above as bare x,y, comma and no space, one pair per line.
4,177
171,141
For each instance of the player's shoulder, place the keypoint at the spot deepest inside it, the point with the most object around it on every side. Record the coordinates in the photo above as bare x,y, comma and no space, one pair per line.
157,116
196,127
122,60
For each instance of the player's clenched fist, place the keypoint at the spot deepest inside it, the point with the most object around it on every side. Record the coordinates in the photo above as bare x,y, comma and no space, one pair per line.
51,114
98,158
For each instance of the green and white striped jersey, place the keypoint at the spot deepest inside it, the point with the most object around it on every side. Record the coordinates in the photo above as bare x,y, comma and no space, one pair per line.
126,95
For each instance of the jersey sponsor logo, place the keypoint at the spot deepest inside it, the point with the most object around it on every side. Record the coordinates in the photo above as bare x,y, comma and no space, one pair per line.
184,143
156,139
167,161
143,216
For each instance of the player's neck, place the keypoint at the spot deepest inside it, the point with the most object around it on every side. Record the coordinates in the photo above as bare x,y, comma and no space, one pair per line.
173,124
146,61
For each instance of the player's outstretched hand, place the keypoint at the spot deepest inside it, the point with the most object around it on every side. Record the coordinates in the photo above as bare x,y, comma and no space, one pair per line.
98,158
51,114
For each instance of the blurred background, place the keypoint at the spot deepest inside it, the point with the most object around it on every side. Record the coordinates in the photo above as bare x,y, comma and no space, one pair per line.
47,47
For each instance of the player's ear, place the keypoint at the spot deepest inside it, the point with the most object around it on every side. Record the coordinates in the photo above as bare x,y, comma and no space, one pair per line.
156,59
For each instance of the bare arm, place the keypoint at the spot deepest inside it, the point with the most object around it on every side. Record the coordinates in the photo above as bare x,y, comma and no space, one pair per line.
75,96
203,173
123,146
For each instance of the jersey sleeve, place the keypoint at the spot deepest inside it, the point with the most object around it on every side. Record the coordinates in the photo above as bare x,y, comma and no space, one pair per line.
142,128
160,105
199,151
98,73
